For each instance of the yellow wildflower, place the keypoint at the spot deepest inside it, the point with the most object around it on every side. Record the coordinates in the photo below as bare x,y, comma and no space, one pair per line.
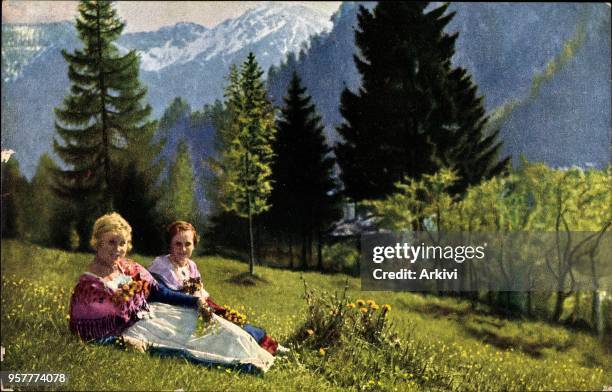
363,310
350,306
360,302
386,308
322,351
371,302
374,307
310,332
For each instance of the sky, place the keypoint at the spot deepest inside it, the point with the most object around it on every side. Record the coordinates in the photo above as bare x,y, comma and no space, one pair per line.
144,15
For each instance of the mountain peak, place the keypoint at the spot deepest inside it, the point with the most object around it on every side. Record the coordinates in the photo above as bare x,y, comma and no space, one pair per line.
277,28
184,26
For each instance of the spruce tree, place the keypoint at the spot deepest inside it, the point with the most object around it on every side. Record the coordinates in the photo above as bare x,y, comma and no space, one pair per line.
178,201
102,117
410,116
474,154
245,163
214,117
302,200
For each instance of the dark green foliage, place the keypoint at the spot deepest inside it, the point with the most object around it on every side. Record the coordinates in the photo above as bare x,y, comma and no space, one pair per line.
226,235
414,112
14,191
475,154
244,163
170,131
178,200
217,116
42,202
303,202
178,111
102,120
135,200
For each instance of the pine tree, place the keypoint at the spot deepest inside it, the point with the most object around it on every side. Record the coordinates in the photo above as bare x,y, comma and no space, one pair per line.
178,201
102,117
215,117
475,154
414,112
302,199
245,163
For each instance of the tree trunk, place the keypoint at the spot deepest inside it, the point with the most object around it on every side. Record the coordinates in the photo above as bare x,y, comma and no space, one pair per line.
310,248
279,248
490,297
303,255
576,310
561,296
319,251
291,250
597,314
252,242
259,253
530,303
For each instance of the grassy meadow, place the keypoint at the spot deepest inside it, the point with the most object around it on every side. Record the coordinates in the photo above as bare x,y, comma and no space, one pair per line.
444,344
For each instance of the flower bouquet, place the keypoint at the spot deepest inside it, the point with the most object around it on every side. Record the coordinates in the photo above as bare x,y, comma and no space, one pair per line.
192,285
204,318
127,291
234,316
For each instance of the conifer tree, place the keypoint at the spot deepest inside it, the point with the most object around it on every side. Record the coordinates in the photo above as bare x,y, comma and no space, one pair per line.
302,199
103,115
245,163
414,112
226,130
474,154
178,201
214,116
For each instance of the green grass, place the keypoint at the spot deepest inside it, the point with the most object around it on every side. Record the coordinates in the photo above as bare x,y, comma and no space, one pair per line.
448,345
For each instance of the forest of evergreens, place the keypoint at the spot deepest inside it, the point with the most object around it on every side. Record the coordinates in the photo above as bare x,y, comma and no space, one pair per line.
415,153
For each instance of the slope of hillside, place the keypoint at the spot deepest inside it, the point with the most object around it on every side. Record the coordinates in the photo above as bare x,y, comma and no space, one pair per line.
505,47
463,348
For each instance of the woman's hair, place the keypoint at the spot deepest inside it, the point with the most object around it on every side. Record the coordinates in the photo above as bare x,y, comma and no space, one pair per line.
114,223
176,227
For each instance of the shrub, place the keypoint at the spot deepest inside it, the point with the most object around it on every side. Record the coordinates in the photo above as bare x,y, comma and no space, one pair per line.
341,257
335,320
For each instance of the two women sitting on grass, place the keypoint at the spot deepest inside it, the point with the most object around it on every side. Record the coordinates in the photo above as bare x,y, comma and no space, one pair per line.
178,272
118,299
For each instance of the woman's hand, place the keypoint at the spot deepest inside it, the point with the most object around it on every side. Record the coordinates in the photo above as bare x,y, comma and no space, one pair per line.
135,344
205,310
202,294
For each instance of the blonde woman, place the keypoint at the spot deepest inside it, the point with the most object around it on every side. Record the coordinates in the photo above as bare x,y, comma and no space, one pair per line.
112,295
117,297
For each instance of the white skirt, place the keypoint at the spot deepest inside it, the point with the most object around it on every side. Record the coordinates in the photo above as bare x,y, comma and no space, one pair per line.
172,328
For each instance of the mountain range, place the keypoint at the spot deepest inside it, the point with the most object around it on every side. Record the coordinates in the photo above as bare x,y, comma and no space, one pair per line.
543,69
184,60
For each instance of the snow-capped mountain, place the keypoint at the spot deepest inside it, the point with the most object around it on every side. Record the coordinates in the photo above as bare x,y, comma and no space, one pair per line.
281,28
21,43
184,60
